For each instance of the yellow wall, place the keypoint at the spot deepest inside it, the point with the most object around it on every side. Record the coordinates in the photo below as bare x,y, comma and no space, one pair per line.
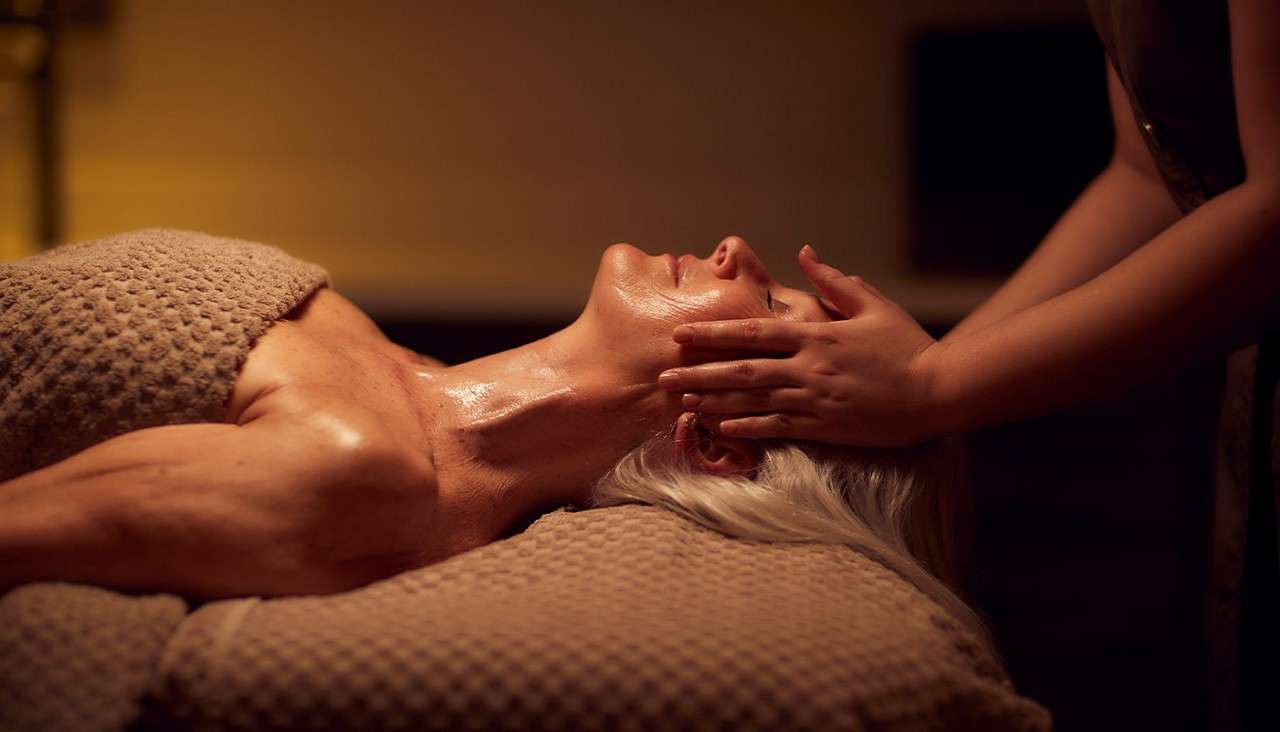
15,172
466,161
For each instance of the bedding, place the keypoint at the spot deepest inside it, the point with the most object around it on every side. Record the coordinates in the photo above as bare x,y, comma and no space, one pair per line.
75,658
627,617
136,330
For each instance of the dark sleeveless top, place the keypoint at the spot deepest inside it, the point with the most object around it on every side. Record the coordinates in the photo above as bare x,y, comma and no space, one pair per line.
1174,59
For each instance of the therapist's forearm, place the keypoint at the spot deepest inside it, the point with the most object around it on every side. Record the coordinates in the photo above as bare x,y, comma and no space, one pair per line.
1119,211
1204,286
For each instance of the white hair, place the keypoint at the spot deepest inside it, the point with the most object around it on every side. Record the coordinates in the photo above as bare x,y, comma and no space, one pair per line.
906,509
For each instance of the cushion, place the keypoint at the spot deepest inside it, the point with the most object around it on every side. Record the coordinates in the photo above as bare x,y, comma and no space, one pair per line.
621,617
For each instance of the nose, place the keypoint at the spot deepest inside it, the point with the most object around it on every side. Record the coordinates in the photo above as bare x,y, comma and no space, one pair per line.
733,258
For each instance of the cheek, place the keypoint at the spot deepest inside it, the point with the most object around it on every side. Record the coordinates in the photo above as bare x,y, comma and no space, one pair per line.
720,304
626,296
665,311
636,299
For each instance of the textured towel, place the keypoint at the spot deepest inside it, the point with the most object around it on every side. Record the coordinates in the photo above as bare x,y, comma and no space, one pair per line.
79,659
627,617
132,331
98,339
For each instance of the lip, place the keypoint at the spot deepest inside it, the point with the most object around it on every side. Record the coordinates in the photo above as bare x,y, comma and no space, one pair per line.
673,267
682,266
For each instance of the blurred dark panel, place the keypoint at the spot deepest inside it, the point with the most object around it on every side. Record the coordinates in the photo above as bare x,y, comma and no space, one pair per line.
86,13
34,59
457,341
79,13
1091,554
1007,127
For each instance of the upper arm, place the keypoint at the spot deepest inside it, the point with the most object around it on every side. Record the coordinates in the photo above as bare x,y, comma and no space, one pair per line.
270,454
1255,64
210,510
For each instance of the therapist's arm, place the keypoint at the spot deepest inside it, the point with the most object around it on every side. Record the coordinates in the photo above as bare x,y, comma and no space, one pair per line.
1207,284
1124,207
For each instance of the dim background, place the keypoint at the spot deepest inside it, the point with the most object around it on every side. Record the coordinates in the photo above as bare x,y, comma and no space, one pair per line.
458,169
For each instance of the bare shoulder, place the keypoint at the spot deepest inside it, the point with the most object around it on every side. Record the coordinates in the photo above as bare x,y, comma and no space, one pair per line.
325,343
330,310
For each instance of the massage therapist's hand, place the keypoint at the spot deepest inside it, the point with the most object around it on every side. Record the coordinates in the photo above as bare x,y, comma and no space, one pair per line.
866,380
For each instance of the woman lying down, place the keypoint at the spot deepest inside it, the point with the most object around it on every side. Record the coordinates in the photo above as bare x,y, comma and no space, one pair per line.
145,451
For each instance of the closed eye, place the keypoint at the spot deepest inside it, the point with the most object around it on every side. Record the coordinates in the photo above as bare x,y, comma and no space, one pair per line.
773,304
805,306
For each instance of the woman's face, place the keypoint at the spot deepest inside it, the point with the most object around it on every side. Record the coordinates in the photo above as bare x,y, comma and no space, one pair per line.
638,299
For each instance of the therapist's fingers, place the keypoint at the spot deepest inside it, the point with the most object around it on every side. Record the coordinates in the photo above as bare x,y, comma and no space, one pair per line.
850,295
793,426
730,375
749,401
752,334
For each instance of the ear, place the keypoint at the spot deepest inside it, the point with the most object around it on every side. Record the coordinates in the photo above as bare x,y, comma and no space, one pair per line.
698,440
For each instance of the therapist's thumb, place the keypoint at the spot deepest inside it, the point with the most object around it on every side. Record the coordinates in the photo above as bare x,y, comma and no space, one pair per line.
850,295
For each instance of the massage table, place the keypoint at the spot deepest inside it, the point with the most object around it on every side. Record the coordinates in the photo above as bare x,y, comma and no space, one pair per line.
628,617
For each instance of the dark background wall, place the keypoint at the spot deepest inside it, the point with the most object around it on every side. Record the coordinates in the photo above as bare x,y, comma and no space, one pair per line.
471,161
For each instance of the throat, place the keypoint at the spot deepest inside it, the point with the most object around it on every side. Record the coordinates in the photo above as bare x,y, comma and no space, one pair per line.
525,431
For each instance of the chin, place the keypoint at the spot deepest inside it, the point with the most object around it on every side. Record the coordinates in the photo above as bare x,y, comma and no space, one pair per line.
624,277
627,300
622,259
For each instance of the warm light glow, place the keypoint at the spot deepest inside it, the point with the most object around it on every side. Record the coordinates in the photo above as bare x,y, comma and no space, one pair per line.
16,172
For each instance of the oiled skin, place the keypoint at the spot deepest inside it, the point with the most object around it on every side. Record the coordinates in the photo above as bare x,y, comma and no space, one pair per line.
345,458
311,486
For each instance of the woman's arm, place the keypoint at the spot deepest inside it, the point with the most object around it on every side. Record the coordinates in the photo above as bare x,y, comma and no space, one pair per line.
214,510
1124,207
1209,283
1206,284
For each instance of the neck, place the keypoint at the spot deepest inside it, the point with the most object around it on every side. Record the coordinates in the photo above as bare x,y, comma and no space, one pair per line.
518,433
